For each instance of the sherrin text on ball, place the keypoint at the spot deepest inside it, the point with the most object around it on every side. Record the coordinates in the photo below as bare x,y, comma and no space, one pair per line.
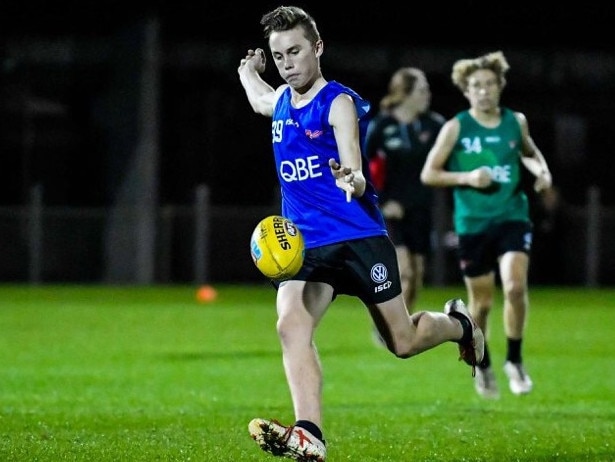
277,247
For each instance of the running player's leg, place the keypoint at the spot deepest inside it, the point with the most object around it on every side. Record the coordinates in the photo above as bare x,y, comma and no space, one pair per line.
514,271
481,290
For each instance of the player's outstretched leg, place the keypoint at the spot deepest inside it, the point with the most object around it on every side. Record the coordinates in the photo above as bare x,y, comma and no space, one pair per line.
472,345
292,442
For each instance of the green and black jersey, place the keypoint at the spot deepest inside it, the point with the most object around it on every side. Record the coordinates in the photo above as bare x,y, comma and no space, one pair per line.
497,148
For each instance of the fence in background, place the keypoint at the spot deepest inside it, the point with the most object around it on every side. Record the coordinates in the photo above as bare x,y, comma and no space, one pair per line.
203,243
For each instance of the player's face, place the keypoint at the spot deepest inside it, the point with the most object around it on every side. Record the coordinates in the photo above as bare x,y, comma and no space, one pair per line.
484,90
420,96
295,57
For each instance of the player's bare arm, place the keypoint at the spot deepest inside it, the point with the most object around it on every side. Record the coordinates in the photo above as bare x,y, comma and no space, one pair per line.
347,172
261,95
434,172
532,157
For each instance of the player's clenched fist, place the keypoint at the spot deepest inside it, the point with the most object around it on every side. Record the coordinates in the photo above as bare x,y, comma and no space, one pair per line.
255,60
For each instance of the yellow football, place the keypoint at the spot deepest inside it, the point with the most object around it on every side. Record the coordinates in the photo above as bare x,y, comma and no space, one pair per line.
277,247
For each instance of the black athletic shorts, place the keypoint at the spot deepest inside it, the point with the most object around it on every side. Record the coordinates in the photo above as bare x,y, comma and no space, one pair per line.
478,253
366,268
413,230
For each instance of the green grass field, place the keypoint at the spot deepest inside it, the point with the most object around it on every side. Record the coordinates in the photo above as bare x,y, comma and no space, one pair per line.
149,374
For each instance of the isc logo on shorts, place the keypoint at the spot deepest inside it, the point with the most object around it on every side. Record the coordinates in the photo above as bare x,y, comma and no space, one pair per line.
379,274
382,287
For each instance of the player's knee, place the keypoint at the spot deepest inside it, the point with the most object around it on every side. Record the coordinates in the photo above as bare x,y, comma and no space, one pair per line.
403,350
285,329
514,291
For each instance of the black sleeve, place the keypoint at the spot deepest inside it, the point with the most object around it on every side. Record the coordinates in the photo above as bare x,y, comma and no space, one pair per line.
372,137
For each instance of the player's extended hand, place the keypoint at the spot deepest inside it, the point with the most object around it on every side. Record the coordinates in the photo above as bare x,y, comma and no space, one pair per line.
344,178
254,60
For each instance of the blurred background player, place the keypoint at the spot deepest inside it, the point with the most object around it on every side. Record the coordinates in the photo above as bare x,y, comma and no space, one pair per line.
398,140
479,153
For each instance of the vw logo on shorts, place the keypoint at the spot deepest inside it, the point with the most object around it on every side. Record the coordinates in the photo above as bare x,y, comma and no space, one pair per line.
379,273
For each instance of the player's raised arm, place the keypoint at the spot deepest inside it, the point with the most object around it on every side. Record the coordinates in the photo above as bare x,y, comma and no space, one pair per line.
260,94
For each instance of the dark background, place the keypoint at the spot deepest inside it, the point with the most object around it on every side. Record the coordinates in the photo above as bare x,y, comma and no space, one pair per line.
73,125
444,24
207,131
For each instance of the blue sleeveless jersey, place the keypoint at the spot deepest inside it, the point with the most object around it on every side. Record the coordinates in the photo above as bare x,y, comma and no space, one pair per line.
303,143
